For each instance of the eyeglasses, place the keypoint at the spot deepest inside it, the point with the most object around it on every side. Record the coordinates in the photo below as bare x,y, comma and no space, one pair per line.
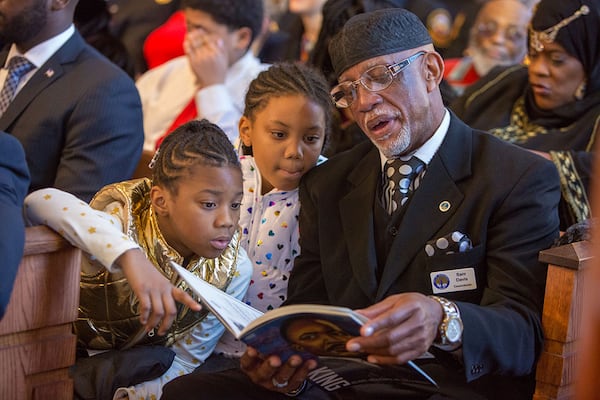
374,79
490,28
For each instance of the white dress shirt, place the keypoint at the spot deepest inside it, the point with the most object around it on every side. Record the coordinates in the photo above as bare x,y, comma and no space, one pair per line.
167,89
37,55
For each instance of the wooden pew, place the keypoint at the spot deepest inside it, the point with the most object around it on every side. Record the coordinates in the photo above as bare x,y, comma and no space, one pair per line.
563,301
37,345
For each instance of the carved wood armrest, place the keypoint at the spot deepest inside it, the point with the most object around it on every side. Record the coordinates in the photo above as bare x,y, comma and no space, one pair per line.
561,316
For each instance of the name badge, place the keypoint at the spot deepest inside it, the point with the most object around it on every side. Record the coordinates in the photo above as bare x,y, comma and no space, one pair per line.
453,280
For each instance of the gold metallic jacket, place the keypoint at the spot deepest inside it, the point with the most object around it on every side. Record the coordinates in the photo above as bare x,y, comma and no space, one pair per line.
108,310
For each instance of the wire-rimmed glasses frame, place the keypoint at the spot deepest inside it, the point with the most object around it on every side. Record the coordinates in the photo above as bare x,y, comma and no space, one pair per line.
375,79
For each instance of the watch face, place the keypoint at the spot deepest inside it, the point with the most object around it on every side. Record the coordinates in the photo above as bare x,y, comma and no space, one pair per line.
454,330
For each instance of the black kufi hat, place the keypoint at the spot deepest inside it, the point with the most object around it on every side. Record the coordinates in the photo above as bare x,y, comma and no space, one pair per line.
375,34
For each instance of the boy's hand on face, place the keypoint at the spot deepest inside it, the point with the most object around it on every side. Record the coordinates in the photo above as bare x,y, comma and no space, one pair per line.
208,58
156,295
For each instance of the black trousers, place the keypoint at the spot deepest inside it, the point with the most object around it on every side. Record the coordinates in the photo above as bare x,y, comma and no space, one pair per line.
396,383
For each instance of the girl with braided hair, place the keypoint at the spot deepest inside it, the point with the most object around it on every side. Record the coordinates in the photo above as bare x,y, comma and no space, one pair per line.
187,213
283,130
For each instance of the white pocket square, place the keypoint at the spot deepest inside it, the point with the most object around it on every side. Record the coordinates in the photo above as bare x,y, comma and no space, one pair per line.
455,242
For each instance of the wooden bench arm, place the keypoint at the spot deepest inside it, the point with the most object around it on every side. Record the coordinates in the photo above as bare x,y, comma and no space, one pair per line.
37,345
572,255
561,316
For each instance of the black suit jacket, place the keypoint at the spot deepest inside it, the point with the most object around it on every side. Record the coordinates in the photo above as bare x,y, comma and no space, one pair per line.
504,198
14,180
79,119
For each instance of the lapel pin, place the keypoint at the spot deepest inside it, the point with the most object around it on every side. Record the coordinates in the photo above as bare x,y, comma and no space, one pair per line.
444,206
49,73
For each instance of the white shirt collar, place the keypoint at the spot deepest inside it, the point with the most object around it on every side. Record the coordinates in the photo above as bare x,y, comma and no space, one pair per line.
426,152
41,52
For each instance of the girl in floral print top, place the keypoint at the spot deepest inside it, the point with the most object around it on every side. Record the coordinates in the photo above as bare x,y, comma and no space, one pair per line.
283,130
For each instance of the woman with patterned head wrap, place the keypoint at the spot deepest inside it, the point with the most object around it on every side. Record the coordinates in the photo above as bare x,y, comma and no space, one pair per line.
553,105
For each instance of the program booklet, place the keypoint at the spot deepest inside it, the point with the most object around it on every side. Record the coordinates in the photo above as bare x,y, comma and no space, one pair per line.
310,330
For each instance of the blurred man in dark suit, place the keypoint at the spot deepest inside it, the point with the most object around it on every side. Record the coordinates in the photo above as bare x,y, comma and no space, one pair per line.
77,115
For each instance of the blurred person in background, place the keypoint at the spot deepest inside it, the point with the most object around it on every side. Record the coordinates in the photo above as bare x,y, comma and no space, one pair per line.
92,20
77,115
133,20
210,80
551,106
498,37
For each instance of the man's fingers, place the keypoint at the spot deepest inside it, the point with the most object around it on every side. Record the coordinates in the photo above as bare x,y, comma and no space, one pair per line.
292,375
250,360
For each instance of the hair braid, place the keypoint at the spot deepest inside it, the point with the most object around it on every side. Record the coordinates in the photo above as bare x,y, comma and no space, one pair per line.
193,143
285,79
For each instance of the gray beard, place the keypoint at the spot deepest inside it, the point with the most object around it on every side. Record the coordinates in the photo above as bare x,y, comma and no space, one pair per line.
482,63
398,146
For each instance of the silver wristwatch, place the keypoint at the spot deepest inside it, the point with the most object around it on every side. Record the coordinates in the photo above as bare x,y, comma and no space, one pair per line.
451,328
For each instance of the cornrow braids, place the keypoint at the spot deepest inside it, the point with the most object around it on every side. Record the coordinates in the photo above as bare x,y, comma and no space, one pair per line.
193,143
285,79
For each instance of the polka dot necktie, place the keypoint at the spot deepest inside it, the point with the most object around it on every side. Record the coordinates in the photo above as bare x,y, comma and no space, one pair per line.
17,67
402,178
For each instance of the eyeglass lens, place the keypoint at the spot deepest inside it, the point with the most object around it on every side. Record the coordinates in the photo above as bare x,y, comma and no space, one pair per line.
510,32
374,79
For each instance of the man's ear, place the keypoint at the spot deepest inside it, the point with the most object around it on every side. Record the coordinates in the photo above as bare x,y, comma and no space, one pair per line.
244,128
243,38
158,197
434,70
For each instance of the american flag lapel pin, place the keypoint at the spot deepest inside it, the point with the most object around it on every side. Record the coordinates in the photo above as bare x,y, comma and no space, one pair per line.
49,73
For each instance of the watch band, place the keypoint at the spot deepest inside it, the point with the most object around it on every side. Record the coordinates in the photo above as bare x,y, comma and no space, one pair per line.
450,329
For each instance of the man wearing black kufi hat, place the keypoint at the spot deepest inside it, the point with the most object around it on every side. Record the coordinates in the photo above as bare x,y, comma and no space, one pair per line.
442,263
335,14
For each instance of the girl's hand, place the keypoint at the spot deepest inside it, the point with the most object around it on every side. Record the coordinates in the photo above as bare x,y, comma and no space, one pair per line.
156,295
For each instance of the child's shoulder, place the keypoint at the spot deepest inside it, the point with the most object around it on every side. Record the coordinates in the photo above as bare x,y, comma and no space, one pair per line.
131,195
